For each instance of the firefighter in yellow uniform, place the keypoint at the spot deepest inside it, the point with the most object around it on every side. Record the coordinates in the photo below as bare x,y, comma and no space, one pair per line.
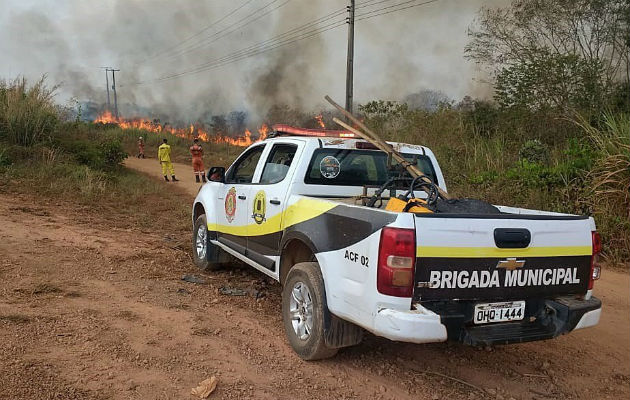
164,155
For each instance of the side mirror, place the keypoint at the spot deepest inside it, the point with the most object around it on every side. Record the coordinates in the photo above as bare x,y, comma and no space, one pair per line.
216,174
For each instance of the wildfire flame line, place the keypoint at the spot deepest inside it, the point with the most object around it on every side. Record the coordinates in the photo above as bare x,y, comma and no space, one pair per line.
320,121
188,133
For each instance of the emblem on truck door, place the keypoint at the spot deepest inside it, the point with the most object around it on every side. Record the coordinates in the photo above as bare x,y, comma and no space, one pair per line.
259,207
510,264
230,205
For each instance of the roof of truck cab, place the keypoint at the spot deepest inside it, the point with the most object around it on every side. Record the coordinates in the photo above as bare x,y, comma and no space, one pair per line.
337,139
350,143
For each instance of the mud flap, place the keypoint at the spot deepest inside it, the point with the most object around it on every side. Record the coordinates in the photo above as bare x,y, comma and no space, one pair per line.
340,333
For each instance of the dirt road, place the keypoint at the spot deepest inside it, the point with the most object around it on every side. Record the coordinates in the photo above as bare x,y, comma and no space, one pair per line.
183,172
94,307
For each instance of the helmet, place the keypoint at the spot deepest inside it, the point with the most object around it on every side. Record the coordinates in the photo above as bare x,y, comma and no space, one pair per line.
140,138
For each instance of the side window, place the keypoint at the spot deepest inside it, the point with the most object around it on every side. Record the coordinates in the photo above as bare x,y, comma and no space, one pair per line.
243,170
278,163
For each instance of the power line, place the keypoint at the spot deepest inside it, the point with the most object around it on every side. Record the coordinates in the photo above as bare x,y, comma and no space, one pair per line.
244,53
230,59
293,31
292,37
222,33
281,39
376,13
157,54
370,3
274,42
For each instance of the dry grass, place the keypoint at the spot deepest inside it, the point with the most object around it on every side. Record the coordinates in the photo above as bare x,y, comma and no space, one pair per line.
482,161
610,181
28,114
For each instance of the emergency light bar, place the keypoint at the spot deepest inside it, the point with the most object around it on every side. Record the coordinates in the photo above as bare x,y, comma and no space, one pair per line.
282,129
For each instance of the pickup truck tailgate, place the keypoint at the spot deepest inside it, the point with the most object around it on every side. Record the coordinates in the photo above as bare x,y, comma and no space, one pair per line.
501,257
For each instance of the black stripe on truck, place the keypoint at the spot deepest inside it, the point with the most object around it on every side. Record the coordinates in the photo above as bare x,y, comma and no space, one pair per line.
338,228
453,287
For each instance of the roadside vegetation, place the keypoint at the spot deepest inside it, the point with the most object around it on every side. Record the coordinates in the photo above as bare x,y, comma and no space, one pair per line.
556,135
43,153
523,159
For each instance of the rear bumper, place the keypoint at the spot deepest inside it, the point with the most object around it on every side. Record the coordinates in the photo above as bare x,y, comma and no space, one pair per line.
544,319
414,326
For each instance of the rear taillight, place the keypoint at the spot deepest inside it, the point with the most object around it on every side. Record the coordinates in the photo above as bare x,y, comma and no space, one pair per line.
596,269
396,260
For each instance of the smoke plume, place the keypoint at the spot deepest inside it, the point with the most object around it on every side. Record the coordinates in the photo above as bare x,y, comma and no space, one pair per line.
396,54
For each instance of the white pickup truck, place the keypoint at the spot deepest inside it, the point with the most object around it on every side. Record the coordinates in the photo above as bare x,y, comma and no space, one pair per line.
293,207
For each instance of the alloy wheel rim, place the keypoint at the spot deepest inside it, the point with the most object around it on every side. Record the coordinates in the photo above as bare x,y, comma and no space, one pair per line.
301,310
200,242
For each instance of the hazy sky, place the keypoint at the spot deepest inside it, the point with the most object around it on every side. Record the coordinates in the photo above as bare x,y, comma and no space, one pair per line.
395,54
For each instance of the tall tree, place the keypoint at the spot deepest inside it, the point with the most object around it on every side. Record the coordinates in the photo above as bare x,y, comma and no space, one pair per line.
554,53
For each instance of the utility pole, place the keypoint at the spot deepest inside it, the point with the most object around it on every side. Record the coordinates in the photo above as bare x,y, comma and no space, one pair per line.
114,89
109,106
350,66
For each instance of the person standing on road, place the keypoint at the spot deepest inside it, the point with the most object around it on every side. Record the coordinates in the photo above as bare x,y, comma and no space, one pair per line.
196,151
164,156
140,147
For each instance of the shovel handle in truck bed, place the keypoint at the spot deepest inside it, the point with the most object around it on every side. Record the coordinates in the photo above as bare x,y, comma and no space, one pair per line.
292,206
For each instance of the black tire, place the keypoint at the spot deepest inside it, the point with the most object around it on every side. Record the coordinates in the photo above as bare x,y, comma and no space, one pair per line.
313,346
199,253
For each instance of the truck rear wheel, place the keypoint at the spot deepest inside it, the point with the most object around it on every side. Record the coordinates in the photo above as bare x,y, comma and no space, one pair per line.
304,310
200,245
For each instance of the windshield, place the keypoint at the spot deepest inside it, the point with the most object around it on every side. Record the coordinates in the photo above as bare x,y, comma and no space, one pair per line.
345,167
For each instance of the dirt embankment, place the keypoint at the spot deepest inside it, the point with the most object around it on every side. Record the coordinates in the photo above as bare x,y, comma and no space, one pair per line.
92,307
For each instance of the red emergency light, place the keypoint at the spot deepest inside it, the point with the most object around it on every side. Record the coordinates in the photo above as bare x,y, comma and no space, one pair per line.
282,129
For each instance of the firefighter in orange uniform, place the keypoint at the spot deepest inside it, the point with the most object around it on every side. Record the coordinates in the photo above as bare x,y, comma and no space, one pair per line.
196,151
140,147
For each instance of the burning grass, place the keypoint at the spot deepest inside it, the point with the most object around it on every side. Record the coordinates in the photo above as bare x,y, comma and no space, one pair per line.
191,132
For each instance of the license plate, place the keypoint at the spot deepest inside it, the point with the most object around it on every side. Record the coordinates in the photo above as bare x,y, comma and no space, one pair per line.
486,313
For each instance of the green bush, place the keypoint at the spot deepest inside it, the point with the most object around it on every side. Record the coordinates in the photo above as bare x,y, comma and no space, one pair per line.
103,154
534,151
113,153
484,177
579,159
534,175
483,117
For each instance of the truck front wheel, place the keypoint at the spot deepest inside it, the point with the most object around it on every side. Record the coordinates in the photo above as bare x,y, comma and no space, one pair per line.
304,310
200,245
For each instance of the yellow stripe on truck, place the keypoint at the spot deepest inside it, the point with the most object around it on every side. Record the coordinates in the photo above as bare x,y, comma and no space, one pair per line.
494,252
302,210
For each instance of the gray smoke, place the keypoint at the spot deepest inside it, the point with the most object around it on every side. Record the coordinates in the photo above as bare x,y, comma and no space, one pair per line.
396,55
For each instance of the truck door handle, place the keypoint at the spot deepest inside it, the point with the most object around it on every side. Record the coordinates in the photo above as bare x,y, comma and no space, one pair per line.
276,202
242,197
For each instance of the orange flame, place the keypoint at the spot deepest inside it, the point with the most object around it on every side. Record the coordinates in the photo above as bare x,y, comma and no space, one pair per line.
262,131
320,121
187,133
